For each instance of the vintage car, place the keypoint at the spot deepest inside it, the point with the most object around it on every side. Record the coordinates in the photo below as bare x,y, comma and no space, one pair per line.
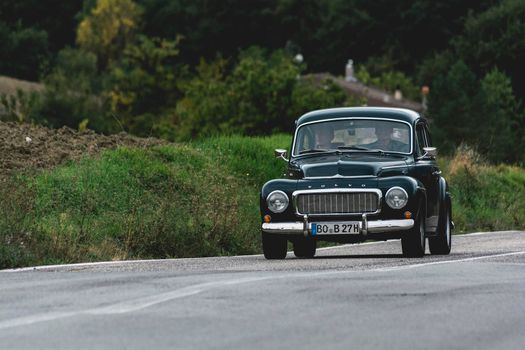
356,174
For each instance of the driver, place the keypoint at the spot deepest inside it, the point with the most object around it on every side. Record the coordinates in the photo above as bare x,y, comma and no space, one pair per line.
324,136
384,141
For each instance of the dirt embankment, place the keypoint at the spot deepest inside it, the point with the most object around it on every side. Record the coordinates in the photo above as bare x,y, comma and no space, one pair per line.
28,147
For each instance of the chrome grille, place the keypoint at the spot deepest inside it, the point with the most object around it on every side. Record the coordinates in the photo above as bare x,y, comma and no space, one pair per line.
337,203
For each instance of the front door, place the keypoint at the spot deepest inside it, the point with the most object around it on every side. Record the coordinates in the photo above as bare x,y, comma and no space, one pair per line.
427,171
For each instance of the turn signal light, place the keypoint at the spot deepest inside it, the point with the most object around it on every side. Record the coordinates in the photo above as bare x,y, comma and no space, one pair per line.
267,218
408,215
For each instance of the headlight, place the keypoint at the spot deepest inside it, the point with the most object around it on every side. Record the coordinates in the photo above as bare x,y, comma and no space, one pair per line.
277,201
396,198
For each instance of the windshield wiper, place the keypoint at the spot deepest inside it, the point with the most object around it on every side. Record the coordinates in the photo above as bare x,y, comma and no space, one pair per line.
383,152
357,148
314,150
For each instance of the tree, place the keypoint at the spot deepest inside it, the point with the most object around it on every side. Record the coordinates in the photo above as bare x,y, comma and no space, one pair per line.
73,93
24,52
455,107
496,38
500,132
484,114
262,93
144,84
108,29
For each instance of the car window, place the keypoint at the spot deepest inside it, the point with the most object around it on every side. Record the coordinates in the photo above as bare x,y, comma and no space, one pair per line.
427,137
373,134
420,138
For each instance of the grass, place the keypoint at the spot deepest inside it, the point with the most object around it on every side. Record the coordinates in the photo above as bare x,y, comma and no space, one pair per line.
182,200
198,199
484,197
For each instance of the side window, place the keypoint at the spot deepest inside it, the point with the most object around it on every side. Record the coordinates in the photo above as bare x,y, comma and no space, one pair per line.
420,139
427,136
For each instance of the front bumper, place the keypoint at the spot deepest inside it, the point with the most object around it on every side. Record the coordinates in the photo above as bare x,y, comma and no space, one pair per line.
365,226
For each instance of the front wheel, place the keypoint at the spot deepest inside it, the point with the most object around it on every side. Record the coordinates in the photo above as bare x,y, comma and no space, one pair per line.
274,246
442,242
304,247
413,240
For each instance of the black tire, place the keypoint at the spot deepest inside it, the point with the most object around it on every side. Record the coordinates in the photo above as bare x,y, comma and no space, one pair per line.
442,242
304,247
274,246
413,240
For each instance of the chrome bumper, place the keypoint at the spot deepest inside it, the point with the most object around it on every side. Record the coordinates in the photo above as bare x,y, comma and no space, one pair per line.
365,226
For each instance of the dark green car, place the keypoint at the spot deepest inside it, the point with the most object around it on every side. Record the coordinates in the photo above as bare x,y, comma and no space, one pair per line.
357,174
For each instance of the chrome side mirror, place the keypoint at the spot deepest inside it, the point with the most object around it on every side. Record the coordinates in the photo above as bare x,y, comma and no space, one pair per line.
430,152
280,153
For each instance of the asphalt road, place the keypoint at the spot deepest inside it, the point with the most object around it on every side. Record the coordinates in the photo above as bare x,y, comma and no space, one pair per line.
363,296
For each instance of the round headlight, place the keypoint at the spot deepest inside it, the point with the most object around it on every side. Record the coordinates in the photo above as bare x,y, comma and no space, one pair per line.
396,198
277,201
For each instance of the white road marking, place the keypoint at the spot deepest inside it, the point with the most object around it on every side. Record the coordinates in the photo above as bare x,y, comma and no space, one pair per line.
440,262
125,262
148,301
129,305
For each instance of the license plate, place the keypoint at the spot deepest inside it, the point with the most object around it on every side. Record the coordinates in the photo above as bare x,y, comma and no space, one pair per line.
334,228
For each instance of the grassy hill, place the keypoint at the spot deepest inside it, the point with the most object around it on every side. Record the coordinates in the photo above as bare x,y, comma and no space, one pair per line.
196,199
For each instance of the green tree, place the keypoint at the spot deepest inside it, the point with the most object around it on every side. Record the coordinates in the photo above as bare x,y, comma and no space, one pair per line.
73,93
484,114
262,93
253,98
24,52
144,87
495,38
309,95
500,132
109,28
455,106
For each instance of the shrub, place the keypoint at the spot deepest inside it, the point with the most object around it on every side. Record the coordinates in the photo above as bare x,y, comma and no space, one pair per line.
483,113
261,94
24,52
73,93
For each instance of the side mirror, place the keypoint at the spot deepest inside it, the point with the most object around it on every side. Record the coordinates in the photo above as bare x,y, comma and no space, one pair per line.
280,153
430,152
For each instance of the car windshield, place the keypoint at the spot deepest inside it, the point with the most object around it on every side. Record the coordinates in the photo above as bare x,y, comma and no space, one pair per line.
353,134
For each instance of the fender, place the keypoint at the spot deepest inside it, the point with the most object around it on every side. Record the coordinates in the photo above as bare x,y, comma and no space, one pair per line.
415,189
445,203
285,185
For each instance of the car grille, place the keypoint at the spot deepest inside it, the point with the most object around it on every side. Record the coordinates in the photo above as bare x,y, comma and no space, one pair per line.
337,203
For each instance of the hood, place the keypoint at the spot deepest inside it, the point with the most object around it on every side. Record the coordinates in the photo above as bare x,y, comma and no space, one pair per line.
350,165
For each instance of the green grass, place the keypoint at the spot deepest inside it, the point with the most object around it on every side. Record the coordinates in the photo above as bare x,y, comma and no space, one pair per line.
185,200
198,199
485,198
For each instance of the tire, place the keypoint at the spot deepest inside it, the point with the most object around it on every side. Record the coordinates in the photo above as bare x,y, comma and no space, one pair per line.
304,247
274,247
413,241
442,242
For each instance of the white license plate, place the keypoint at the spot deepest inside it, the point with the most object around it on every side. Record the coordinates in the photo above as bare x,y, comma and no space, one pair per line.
334,228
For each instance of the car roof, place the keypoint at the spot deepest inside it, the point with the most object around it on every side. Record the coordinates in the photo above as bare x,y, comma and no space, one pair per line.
401,114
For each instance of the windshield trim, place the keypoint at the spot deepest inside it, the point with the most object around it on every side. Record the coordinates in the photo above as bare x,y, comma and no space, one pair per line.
356,118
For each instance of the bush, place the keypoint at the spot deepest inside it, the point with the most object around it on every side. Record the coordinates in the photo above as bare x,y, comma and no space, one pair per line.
24,52
262,94
485,198
389,81
483,113
309,95
143,86
73,94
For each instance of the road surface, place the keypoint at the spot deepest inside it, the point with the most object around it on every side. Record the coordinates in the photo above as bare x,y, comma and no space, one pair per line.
364,296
